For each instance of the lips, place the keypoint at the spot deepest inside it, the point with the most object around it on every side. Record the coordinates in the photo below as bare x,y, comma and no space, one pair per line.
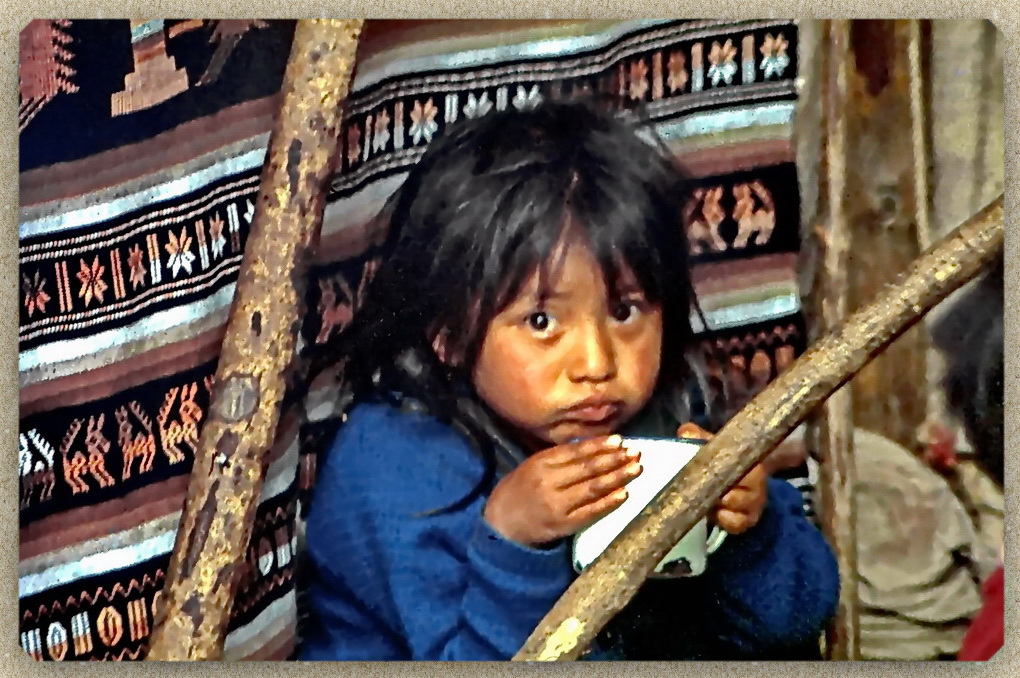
593,411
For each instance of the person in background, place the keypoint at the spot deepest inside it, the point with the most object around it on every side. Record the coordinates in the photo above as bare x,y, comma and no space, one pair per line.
970,337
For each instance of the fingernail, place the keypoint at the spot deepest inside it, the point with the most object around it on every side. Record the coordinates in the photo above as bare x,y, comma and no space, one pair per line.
633,469
615,440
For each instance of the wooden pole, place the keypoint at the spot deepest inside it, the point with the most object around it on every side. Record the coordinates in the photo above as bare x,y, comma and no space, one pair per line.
611,581
919,68
193,610
887,216
833,426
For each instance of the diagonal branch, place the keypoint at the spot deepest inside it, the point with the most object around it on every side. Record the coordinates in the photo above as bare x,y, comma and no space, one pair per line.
609,584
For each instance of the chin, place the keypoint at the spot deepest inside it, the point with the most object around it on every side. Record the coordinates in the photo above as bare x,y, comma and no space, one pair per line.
568,432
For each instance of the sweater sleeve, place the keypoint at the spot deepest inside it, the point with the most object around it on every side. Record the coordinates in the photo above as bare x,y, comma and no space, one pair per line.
446,585
777,585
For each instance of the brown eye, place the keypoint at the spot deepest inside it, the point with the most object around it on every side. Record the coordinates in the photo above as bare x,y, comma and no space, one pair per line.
624,311
539,321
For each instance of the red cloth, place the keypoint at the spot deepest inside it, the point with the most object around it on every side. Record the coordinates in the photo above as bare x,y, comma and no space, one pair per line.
984,637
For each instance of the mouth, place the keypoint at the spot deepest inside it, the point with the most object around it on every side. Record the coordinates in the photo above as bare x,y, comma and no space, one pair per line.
593,412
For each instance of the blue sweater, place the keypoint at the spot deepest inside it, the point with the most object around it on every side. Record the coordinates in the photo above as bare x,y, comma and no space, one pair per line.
389,583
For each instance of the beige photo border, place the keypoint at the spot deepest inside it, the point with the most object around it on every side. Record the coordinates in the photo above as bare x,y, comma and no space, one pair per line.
17,13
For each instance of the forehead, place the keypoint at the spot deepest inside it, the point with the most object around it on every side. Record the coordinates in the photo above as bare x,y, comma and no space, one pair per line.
572,264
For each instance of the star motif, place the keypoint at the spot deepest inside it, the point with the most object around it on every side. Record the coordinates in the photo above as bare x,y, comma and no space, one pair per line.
92,285
137,266
179,250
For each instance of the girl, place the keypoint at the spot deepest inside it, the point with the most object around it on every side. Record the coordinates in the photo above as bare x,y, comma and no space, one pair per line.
532,307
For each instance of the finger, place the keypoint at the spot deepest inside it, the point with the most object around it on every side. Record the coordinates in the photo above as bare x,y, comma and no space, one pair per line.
692,430
733,522
737,499
753,479
571,452
593,490
587,468
584,515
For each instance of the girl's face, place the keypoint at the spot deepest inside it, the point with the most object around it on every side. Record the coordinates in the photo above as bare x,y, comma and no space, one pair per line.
576,363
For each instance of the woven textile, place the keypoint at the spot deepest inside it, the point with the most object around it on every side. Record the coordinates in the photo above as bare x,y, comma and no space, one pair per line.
141,146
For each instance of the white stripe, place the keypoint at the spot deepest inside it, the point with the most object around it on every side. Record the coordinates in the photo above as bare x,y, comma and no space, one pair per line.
232,221
762,115
281,473
361,207
87,216
76,552
64,351
114,235
770,114
369,75
99,563
698,83
128,348
203,251
749,71
745,314
277,614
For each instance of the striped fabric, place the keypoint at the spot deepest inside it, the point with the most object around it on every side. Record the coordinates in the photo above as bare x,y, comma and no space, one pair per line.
140,150
141,144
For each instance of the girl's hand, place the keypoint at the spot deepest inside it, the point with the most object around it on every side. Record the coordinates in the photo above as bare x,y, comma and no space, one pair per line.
561,490
739,509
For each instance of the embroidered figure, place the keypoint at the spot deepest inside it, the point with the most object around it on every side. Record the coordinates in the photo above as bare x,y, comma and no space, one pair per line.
35,295
91,277
751,219
182,431
705,228
476,107
775,58
226,35
677,72
526,100
723,67
43,70
133,446
78,464
35,462
155,77
382,131
638,80
179,250
216,235
423,123
335,314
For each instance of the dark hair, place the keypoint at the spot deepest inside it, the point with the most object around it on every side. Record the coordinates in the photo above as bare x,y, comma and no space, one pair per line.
970,336
480,212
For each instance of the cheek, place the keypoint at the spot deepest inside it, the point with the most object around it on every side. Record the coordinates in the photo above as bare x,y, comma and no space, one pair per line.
509,376
644,358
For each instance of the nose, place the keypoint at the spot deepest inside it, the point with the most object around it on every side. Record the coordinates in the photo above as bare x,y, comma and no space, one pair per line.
594,354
